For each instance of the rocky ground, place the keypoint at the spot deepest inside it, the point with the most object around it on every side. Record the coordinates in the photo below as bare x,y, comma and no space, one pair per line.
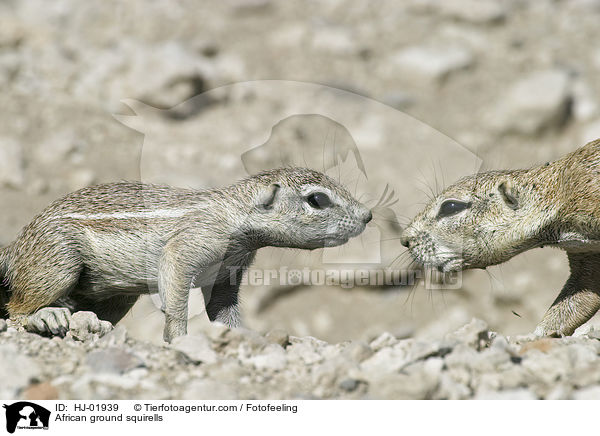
189,94
470,363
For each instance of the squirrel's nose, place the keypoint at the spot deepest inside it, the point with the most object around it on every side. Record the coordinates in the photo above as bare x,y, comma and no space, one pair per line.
368,217
405,241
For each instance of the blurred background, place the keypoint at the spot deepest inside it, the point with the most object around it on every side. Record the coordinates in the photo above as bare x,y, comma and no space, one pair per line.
406,95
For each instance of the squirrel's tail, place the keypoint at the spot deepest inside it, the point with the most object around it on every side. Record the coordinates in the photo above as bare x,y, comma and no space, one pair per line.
4,290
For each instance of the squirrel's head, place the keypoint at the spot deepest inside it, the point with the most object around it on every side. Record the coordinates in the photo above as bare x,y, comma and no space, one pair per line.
481,220
303,208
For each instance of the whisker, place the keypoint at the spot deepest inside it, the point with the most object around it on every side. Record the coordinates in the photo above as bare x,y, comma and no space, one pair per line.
435,177
428,195
361,196
401,257
424,182
324,142
380,212
442,173
395,223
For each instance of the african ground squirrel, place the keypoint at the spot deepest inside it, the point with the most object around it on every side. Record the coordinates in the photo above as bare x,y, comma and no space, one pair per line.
99,248
487,218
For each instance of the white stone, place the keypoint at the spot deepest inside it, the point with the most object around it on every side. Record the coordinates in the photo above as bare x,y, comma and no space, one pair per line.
386,360
590,132
208,390
473,333
596,58
197,348
289,35
588,393
431,63
473,11
333,40
18,370
272,358
80,178
535,102
11,163
585,106
386,339
304,351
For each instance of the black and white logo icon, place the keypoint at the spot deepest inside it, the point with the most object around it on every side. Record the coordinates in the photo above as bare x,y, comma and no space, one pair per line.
26,415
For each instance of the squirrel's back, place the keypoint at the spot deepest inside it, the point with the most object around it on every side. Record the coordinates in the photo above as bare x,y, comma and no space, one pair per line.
3,284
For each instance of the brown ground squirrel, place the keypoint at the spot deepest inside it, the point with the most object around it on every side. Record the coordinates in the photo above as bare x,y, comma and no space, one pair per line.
99,248
487,218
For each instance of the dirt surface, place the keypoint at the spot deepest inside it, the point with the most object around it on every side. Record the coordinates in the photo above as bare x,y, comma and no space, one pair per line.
403,97
469,363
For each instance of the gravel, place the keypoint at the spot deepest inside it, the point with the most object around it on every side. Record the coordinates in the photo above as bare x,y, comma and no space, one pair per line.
469,363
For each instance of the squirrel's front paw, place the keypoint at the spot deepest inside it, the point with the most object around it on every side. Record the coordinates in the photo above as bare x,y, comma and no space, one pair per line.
47,321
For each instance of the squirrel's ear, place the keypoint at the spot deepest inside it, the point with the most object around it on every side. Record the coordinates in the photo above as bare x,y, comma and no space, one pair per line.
508,194
268,196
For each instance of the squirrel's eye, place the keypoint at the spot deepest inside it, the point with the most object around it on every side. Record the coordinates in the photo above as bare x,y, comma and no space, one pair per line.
319,200
452,207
